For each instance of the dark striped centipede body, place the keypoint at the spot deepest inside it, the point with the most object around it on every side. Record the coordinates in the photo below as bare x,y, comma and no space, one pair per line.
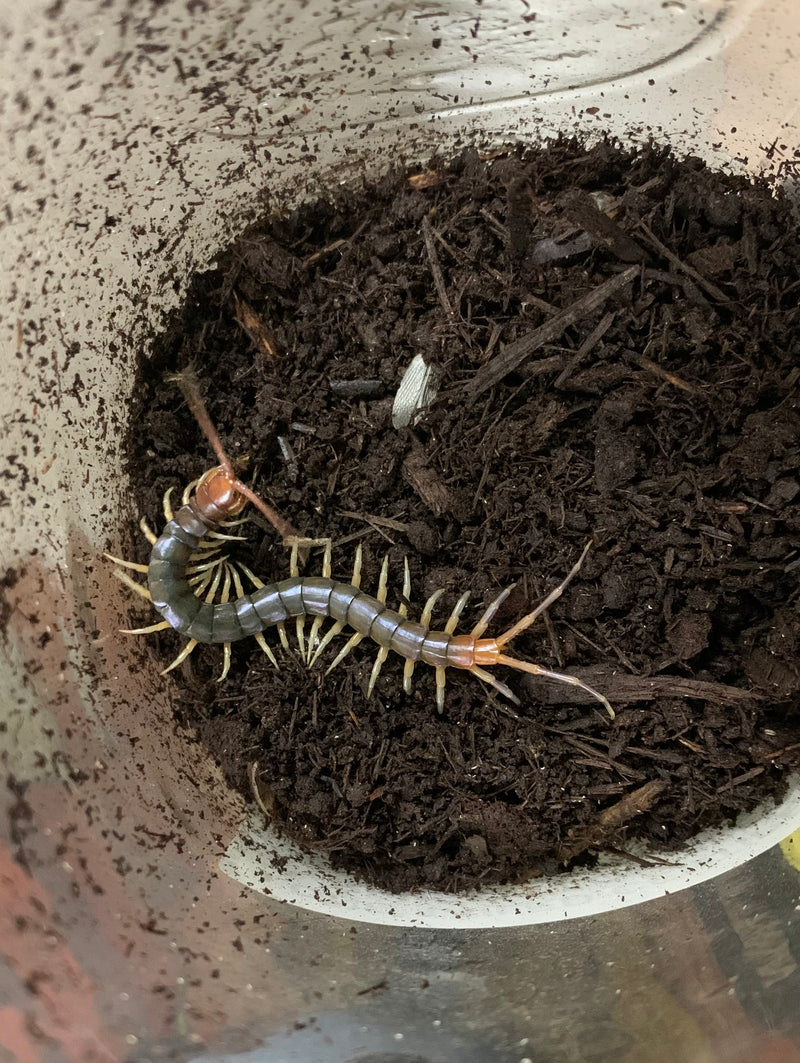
186,573
275,603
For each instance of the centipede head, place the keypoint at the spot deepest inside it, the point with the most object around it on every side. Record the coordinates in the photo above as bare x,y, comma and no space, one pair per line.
217,495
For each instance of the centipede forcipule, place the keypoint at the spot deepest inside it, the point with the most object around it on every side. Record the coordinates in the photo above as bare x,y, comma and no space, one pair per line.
187,572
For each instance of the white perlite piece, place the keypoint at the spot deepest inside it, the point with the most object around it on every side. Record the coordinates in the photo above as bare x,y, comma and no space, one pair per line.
417,390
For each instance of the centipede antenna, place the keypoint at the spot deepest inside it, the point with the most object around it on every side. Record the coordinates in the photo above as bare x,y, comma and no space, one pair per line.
283,527
188,383
556,592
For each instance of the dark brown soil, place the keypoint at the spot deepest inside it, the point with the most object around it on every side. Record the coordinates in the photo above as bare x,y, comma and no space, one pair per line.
616,339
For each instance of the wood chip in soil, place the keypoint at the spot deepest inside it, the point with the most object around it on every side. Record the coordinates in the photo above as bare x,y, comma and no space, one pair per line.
615,340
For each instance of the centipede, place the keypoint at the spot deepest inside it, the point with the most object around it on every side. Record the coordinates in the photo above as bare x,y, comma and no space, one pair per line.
200,592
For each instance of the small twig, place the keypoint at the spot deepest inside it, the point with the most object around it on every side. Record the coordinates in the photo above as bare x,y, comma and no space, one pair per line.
651,861
255,328
653,367
690,271
315,256
514,354
774,754
357,389
744,777
612,819
586,348
498,227
376,522
427,483
582,209
436,269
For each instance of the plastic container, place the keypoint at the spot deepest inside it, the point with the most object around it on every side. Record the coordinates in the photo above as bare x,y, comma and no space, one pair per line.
134,923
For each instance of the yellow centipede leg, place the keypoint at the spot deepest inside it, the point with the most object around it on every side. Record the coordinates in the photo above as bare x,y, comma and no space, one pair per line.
319,620
408,672
383,653
262,642
187,649
167,505
339,626
148,532
351,644
161,626
441,680
408,667
133,565
492,681
137,588
427,611
354,639
458,608
226,646
299,621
